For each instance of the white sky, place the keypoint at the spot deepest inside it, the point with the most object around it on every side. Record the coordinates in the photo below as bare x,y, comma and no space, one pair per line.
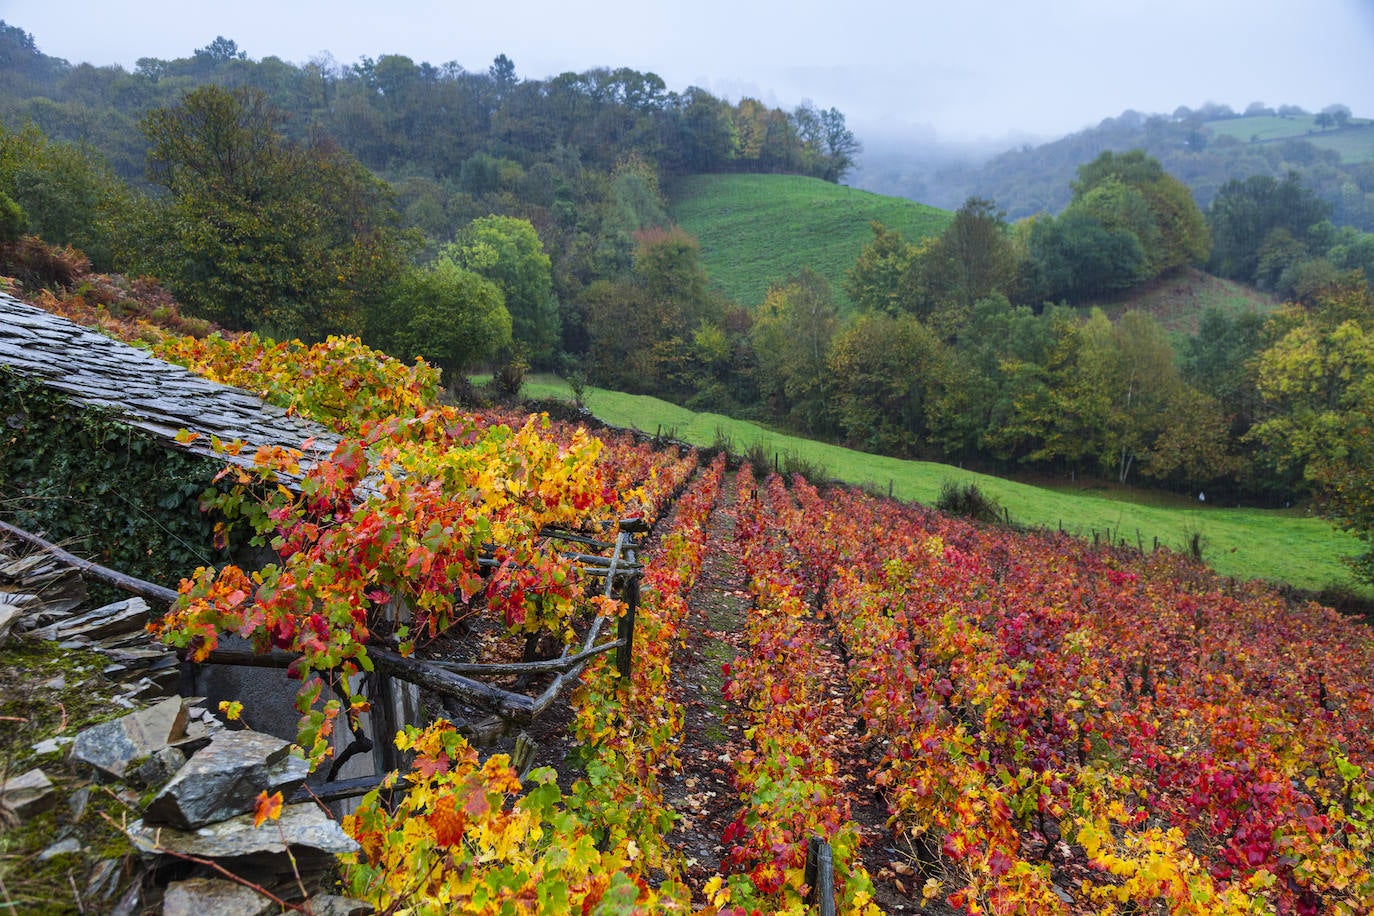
964,69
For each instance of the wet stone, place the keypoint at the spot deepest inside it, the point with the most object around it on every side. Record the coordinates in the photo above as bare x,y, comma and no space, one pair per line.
224,779
111,747
213,897
28,794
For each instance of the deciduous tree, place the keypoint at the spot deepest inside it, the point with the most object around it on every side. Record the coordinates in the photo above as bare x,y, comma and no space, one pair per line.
792,335
452,317
258,231
507,251
1317,379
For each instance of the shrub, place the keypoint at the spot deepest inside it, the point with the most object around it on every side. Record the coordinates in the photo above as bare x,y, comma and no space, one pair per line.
967,501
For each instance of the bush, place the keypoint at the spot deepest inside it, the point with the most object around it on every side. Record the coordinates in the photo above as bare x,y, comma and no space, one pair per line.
38,265
967,501
814,472
12,219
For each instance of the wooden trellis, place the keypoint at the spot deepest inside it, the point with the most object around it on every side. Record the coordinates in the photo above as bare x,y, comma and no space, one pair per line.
459,684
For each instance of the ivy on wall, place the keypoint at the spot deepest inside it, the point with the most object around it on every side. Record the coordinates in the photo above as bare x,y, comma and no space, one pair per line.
105,491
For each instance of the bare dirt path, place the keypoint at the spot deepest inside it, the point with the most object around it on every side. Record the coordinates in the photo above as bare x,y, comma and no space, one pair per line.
703,794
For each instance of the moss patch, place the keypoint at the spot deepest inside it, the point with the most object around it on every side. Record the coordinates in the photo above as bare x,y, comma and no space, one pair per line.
48,692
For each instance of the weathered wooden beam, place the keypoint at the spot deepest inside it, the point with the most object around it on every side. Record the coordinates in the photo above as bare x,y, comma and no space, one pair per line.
503,702
336,789
560,535
556,665
411,670
103,574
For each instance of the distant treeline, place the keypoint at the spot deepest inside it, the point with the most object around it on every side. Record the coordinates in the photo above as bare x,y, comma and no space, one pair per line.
402,118
354,177
1036,179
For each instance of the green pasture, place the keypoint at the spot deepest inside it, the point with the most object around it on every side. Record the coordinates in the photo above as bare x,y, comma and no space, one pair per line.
757,229
1355,143
1281,546
1265,128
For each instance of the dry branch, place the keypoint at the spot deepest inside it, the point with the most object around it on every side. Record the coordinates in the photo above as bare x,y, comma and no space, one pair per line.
90,570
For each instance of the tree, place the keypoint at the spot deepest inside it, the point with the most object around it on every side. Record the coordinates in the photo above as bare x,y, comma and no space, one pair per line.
1157,422
502,73
1175,232
454,318
643,331
707,135
1074,258
972,259
67,194
884,372
841,147
792,333
875,282
1244,213
1316,377
667,265
1216,361
258,231
507,251
12,220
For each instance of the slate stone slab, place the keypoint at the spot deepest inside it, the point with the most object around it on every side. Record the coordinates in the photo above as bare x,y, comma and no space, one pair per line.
213,897
334,905
149,393
28,794
129,615
304,826
111,746
224,779
9,613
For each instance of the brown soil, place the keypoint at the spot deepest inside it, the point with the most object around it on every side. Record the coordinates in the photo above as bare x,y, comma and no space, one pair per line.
703,793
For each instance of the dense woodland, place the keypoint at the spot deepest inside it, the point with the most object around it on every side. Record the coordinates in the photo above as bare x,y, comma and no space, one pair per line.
480,219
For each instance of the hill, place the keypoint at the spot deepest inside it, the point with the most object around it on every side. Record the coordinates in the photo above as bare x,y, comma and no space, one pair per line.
1354,141
757,229
1177,302
1202,152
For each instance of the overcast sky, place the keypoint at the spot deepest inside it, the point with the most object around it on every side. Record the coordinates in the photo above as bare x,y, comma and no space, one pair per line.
962,69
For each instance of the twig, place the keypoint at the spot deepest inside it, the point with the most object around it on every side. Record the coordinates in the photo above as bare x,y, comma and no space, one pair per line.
20,719
76,894
305,894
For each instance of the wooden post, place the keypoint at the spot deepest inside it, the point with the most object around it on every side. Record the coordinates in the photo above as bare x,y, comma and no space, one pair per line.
625,629
819,876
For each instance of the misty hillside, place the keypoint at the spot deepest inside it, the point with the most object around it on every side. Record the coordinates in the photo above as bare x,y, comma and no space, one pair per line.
1331,151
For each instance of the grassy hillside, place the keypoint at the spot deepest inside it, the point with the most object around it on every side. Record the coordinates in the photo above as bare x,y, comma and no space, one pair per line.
1177,302
1355,143
1283,546
757,229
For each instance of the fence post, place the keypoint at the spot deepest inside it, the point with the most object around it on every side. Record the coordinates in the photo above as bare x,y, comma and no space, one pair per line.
819,876
625,628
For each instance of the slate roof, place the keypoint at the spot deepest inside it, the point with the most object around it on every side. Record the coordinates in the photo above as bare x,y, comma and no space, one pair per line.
147,393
